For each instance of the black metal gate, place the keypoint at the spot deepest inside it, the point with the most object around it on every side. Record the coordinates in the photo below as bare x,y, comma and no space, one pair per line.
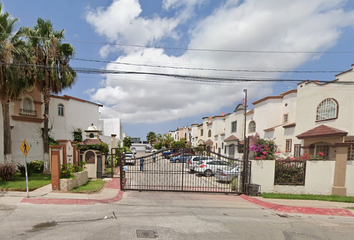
184,170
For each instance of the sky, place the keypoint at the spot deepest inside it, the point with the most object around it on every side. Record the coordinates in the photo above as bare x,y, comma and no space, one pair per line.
218,40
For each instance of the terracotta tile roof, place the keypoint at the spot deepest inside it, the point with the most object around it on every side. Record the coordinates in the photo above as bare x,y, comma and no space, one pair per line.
209,142
322,131
90,141
231,138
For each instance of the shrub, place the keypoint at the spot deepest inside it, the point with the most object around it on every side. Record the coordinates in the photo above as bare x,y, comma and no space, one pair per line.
233,184
37,166
22,169
7,170
67,170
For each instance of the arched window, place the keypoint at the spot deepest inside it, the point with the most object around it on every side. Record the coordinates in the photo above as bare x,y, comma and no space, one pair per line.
60,110
27,104
209,133
327,109
252,127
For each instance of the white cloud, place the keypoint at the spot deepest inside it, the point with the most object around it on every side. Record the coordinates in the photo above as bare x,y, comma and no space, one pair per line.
249,25
120,22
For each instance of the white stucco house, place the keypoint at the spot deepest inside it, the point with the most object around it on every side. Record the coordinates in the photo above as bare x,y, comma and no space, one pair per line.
66,113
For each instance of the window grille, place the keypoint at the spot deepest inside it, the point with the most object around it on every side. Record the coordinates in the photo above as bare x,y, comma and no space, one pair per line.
61,110
327,109
252,127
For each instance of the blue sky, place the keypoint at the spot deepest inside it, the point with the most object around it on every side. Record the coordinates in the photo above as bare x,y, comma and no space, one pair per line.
169,28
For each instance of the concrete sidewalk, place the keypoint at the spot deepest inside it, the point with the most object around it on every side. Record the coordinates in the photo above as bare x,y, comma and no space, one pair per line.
45,195
303,206
111,193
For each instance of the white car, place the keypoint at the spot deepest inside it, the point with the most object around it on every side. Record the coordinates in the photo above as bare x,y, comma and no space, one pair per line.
195,161
209,167
129,158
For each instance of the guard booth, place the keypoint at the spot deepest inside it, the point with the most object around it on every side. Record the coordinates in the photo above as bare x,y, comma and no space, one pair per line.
95,160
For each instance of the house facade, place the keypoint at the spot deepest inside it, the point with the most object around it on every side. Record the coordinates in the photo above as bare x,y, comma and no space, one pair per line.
66,114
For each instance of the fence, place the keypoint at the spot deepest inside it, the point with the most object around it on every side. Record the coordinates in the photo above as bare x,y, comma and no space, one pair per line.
288,172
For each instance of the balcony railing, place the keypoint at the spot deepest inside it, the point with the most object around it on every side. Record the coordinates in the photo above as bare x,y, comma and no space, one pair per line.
26,112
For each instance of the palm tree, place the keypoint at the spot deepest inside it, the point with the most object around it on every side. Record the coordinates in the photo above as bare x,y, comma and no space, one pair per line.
13,74
54,73
168,139
151,138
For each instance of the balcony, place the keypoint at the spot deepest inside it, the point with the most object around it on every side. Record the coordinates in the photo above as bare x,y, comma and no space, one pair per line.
26,112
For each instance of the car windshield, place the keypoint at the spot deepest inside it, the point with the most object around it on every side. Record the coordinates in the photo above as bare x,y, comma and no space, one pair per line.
129,155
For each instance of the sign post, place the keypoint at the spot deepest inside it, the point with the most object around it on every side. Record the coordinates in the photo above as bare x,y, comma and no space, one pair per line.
25,149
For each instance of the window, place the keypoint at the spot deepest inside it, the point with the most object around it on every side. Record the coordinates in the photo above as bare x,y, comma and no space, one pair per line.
322,148
252,127
285,118
288,145
297,150
231,150
201,132
222,145
60,110
327,109
209,133
27,104
234,126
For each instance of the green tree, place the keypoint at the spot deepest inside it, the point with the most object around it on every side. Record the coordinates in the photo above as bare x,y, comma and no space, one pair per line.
168,140
55,73
151,138
179,144
127,142
14,75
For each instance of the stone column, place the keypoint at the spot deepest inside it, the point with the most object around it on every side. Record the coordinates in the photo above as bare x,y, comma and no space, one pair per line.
340,169
55,164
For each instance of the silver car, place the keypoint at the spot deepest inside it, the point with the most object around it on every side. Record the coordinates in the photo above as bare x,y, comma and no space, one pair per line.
227,174
209,167
195,161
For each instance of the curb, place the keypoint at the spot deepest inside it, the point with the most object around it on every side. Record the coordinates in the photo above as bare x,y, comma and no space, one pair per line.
302,210
114,183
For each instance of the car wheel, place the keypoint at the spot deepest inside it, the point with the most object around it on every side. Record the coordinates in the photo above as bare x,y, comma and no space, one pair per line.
177,161
208,173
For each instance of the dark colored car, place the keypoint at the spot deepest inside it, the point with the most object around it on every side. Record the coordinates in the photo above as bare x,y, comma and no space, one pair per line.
181,158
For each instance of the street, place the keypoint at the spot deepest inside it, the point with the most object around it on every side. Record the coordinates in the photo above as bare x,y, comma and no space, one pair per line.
166,215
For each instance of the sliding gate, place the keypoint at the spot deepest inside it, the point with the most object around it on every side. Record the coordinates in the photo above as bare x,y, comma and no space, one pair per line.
162,172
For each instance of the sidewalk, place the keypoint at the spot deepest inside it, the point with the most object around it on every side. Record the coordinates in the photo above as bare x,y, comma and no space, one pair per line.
45,195
303,206
111,193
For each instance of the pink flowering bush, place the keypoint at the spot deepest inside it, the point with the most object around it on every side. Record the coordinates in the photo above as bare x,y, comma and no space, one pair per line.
263,148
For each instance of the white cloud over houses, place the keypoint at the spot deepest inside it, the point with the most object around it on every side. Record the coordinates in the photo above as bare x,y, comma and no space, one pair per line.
273,25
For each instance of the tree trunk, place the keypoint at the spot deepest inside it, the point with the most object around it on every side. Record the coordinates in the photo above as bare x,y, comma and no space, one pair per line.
5,105
46,167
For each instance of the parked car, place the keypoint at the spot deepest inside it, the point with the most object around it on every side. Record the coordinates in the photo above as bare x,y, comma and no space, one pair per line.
167,153
129,158
180,158
148,150
227,174
209,167
194,161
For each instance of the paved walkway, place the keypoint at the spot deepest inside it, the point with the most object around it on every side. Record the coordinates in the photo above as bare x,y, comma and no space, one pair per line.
111,193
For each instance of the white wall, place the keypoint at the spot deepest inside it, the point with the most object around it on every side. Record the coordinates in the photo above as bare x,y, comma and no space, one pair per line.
318,180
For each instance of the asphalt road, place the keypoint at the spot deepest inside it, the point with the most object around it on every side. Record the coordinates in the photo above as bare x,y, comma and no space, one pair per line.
166,215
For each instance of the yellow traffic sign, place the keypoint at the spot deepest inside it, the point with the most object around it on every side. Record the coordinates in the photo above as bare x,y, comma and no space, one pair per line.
25,147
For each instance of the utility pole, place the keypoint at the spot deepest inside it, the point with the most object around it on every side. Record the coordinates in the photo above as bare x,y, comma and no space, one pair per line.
245,142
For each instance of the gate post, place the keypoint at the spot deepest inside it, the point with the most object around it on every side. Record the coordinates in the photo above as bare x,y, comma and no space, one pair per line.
121,170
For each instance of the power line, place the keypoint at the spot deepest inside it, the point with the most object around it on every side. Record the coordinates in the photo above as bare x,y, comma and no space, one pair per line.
196,78
208,69
202,49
